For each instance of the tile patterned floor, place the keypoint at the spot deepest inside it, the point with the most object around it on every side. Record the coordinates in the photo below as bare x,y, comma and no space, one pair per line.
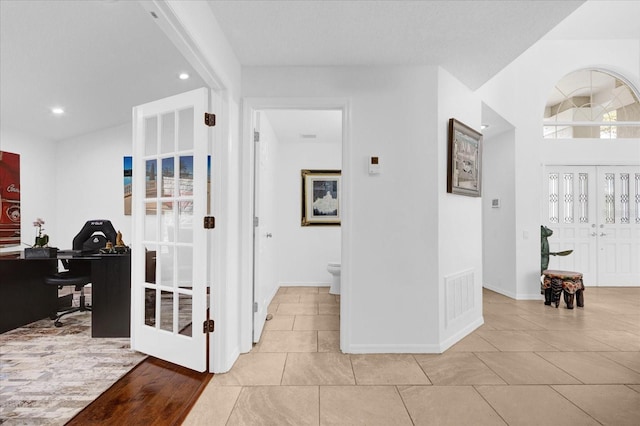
48,374
529,364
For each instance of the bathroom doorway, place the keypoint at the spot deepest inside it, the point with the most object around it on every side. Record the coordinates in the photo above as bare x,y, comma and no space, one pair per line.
285,252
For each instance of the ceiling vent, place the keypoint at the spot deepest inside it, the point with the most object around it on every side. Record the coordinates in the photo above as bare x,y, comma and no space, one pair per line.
308,136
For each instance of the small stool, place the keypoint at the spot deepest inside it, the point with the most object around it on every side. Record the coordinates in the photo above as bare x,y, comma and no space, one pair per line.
567,282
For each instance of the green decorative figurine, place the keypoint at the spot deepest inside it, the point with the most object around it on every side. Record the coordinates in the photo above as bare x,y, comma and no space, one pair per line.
544,264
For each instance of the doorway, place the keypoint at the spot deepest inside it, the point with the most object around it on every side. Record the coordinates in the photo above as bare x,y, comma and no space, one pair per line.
286,253
594,211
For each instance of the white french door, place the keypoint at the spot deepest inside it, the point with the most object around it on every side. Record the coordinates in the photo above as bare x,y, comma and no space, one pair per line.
619,225
170,247
595,211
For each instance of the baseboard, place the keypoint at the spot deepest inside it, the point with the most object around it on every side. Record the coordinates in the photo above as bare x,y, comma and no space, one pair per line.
499,290
461,334
227,362
392,349
534,296
306,284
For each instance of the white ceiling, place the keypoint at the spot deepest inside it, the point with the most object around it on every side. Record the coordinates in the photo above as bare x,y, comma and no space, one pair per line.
96,59
473,40
299,126
99,58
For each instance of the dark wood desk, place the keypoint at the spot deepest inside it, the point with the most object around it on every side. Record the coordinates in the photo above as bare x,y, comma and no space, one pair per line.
24,297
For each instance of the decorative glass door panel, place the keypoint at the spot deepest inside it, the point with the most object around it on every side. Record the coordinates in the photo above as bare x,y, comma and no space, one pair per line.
595,211
618,229
170,251
569,211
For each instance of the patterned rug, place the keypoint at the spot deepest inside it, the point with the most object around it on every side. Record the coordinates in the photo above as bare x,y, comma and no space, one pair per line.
48,374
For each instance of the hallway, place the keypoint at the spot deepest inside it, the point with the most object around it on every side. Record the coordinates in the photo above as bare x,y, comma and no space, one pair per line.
527,364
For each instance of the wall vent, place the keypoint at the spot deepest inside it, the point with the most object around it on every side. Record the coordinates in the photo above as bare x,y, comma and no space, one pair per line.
459,295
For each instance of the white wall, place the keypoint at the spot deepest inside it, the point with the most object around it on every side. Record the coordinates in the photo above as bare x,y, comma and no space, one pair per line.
303,251
519,93
498,224
38,185
89,181
459,233
391,284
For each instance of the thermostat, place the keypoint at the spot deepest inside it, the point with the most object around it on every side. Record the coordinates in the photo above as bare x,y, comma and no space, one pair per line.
374,165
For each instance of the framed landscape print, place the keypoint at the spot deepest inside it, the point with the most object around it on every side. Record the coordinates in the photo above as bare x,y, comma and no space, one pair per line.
464,153
320,197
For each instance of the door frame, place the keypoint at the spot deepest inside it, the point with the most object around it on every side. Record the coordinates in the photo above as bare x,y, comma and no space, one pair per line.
222,346
247,170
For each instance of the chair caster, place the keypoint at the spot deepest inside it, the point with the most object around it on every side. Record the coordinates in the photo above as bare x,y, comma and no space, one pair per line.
57,324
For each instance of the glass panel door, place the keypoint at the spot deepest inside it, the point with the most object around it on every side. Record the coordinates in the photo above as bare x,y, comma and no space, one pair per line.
171,147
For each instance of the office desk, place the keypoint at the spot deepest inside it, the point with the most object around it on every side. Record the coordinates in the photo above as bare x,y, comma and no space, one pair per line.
24,297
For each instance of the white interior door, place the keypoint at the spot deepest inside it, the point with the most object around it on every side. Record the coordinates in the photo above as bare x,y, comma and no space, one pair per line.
169,247
594,211
619,225
265,268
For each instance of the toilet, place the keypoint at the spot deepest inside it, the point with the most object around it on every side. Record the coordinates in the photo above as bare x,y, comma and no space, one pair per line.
334,270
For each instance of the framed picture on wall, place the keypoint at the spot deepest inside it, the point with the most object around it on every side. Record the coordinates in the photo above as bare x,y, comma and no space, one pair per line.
463,159
9,199
321,197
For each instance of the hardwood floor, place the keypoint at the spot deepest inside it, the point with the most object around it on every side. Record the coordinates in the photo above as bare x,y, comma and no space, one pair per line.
155,392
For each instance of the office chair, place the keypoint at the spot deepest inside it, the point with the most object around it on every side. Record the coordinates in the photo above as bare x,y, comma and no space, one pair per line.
92,237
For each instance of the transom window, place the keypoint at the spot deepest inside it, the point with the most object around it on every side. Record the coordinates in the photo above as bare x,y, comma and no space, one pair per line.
592,104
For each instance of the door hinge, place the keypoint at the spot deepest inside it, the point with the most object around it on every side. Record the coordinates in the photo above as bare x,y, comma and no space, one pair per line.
256,136
256,222
209,119
255,306
208,326
209,222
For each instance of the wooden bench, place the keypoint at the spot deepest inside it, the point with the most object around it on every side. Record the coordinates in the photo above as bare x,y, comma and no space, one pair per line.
567,282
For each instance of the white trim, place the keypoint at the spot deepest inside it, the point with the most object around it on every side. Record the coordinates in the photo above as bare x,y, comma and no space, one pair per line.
452,340
223,349
591,124
499,291
393,349
249,105
181,38
515,296
305,284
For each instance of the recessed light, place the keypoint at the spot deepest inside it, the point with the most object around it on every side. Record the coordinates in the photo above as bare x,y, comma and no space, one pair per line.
57,110
183,76
484,126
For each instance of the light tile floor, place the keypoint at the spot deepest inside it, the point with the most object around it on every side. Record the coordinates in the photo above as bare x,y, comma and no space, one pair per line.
529,364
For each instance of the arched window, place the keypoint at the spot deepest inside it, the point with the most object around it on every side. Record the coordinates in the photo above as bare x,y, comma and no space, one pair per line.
593,104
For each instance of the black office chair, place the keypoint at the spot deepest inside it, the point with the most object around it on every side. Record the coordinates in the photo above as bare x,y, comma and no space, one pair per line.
92,237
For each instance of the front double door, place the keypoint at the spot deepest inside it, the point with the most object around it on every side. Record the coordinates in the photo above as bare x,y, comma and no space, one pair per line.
594,211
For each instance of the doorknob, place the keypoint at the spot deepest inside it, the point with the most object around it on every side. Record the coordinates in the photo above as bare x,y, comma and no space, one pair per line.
269,235
602,234
593,234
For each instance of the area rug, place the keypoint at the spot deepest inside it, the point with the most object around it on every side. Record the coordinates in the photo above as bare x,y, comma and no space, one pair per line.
48,374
